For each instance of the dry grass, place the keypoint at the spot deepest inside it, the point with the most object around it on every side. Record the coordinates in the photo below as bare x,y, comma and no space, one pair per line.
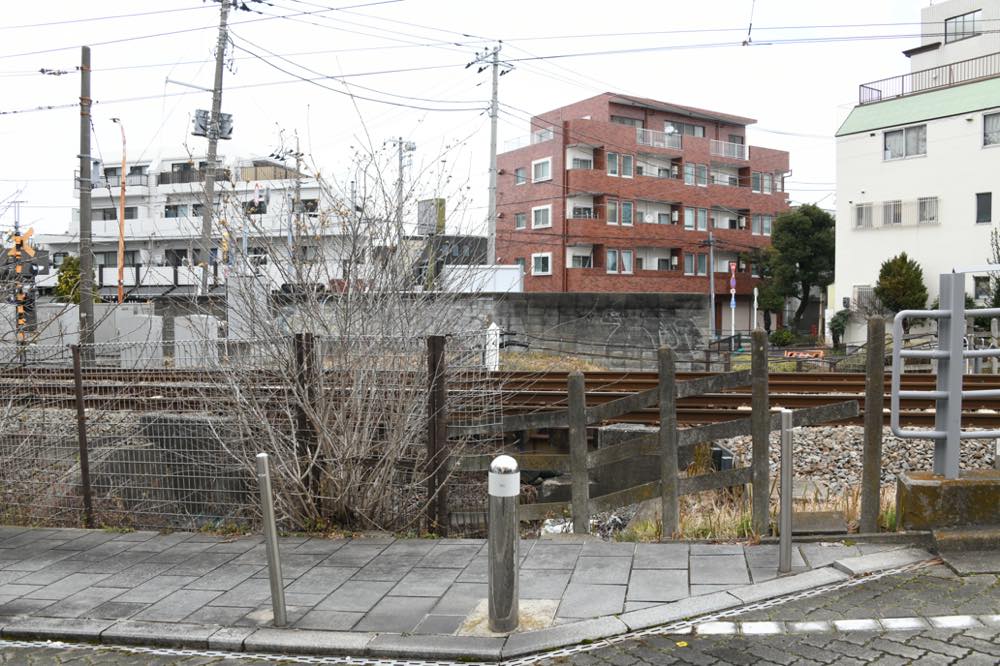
542,362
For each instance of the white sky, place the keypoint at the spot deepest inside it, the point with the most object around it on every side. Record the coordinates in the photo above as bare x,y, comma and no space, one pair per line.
805,89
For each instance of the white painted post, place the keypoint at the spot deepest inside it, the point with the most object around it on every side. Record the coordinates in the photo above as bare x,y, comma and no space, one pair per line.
491,356
785,519
502,543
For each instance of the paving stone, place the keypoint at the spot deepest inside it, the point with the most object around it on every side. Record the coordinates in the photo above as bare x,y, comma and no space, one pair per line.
138,535
587,601
806,580
541,583
719,569
226,578
104,551
437,647
18,589
200,564
45,628
304,600
251,592
679,610
116,610
661,556
658,585
552,556
79,604
293,566
639,605
716,549
767,555
263,616
166,634
388,567
396,614
236,546
461,598
34,561
161,542
450,556
328,620
307,642
321,580
608,549
356,596
229,638
221,615
116,563
353,554
24,606
879,561
155,589
10,576
715,628
823,554
476,572
135,575
439,624
182,552
602,570
67,586
954,622
425,583
904,623
318,546
177,605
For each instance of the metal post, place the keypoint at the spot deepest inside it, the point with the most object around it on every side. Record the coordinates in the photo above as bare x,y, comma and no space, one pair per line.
948,411
437,436
81,431
271,541
578,454
503,542
994,334
86,213
760,430
871,471
785,519
711,286
668,444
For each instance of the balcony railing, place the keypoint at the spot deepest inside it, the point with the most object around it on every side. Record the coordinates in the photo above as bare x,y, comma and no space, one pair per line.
736,151
192,176
101,182
538,136
654,139
896,213
725,179
942,76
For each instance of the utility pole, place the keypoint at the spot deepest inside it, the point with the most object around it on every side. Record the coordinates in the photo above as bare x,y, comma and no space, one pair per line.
121,220
494,108
86,240
213,144
711,285
403,147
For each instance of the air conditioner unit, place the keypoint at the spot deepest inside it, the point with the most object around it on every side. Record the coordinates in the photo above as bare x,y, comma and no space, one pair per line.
675,170
675,215
674,260
743,221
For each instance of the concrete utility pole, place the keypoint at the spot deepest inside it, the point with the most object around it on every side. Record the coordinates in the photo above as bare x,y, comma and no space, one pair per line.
711,286
121,220
213,144
403,147
494,109
86,241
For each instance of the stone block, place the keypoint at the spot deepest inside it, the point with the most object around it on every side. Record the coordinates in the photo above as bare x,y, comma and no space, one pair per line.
64,629
165,634
307,642
889,559
926,501
562,635
436,647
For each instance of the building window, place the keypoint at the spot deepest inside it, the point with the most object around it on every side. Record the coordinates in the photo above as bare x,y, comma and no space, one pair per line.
520,176
541,217
628,163
196,210
984,208
991,129
767,183
755,225
612,164
612,263
583,213
755,181
582,261
702,264
981,285
58,258
927,210
906,142
175,210
863,216
627,207
520,220
663,264
962,27
766,221
701,175
689,218
702,219
631,122
626,261
255,207
663,218
541,263
736,138
612,210
541,170
892,212
582,163
521,263
674,127
689,174
688,263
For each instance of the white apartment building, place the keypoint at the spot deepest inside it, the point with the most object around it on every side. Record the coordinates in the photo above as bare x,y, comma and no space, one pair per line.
918,161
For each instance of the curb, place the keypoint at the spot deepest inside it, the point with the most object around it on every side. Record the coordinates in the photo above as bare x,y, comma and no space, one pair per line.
431,647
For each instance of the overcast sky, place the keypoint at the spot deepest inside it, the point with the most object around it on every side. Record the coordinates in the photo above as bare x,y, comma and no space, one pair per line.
685,52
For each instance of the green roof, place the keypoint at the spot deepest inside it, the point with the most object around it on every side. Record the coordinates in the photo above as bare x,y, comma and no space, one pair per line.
942,103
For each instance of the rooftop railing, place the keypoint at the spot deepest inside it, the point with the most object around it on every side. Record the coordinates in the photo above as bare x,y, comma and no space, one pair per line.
963,71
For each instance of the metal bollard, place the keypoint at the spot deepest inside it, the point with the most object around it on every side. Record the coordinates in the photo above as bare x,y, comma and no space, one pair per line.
504,487
785,518
271,541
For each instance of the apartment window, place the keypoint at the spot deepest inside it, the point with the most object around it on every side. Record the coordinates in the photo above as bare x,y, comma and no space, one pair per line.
688,263
906,142
962,26
927,210
689,218
736,138
626,212
755,181
981,287
673,127
541,263
520,220
541,217
754,270
196,210
631,122
612,164
582,212
767,183
689,174
766,221
864,298
628,163
582,163
626,261
863,216
541,170
991,129
612,263
702,219
702,264
255,207
175,210
984,208
701,175
582,261
612,209
755,226
521,262
892,212
663,264
663,218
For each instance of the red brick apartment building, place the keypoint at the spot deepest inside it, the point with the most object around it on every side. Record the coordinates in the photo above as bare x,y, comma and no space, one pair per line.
618,194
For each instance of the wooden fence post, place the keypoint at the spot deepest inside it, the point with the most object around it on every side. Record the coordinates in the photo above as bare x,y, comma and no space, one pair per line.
760,429
306,436
81,432
871,471
437,436
670,511
578,453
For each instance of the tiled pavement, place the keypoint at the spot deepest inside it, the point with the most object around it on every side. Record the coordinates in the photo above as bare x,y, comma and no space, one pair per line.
372,584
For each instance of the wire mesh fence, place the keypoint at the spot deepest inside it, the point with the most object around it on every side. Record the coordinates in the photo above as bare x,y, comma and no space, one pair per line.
170,431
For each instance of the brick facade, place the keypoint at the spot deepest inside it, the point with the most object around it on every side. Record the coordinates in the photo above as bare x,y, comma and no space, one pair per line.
579,193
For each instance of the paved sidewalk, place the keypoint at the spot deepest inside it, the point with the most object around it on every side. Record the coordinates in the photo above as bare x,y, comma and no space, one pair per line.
376,594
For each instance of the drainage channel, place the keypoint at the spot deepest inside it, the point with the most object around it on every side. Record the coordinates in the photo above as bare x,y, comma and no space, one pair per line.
676,628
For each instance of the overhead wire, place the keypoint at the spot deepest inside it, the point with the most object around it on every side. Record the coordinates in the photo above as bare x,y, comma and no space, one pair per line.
102,18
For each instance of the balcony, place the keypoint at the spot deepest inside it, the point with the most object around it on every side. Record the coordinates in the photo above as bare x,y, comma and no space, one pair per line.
654,139
896,213
191,176
727,179
538,136
102,182
963,71
733,151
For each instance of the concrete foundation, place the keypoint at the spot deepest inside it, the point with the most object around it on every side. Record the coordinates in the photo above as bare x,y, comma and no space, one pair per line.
926,501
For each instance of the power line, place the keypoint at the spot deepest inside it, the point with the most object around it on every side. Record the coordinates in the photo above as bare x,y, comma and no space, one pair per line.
101,18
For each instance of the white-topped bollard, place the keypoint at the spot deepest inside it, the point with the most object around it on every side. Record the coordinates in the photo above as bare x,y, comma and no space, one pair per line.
504,488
